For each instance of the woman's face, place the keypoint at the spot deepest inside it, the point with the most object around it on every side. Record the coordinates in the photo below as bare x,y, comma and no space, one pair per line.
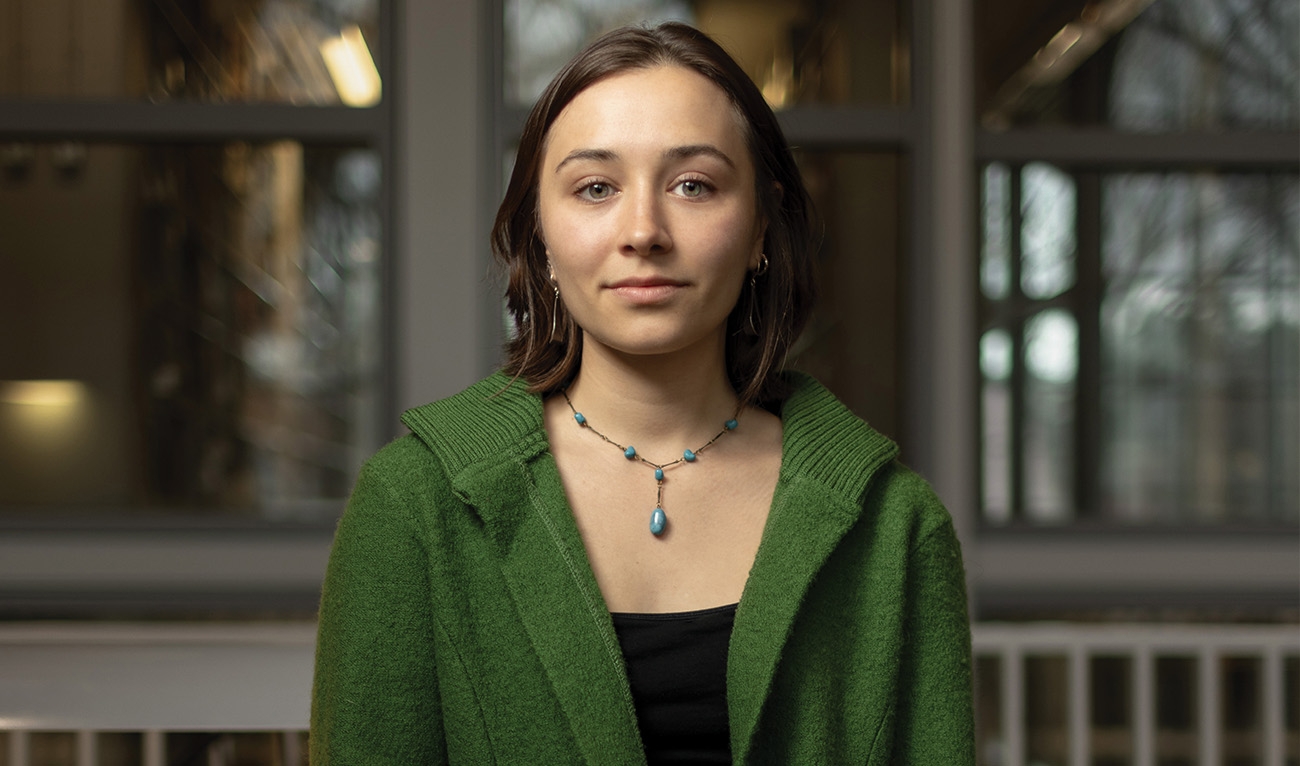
647,209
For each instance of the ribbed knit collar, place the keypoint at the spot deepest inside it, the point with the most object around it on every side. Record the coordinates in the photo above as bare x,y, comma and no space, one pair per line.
498,418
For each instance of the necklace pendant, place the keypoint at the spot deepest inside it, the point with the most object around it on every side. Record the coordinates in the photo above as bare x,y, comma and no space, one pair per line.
658,520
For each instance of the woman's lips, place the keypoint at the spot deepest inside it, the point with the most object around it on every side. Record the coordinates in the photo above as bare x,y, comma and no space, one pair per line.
646,291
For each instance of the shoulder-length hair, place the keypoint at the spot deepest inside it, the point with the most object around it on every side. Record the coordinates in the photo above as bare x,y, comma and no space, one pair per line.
766,319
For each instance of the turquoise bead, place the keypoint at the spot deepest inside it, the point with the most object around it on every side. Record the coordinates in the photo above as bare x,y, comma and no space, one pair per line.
730,425
629,453
689,456
578,417
659,474
657,522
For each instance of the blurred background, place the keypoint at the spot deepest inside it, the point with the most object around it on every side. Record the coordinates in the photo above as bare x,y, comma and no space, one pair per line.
1061,266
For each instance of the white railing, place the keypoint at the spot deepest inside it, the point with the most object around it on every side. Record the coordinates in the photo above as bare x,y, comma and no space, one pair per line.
1267,648
81,680
149,681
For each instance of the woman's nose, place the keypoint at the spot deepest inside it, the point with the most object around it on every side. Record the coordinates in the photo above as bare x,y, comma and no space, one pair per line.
645,229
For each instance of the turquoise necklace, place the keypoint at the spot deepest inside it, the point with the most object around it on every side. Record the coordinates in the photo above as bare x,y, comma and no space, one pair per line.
658,519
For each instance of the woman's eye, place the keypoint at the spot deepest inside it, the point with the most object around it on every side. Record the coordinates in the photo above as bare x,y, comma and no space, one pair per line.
596,191
690,188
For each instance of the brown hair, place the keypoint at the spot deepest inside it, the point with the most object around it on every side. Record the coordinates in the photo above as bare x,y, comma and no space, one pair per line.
777,308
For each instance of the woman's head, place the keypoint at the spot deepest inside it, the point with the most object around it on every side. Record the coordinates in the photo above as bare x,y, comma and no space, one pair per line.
767,316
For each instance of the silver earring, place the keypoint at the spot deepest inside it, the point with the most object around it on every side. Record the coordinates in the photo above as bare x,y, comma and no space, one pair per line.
555,309
751,326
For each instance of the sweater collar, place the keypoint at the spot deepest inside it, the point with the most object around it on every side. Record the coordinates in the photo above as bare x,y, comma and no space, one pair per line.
497,418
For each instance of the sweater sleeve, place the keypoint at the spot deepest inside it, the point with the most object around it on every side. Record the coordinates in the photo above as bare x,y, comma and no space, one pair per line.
935,718
375,694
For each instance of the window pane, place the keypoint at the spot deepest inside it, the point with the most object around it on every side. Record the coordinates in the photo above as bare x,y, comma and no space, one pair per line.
1051,370
852,343
1175,65
1047,209
997,357
1200,329
797,51
995,253
189,328
1195,346
287,51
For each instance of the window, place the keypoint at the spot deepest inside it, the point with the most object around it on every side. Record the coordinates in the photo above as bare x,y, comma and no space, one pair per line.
1140,338
194,258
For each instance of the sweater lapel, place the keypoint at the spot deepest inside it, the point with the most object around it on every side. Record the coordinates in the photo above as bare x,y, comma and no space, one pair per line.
829,456
499,465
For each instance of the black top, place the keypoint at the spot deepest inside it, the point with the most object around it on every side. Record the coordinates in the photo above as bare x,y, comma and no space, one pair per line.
677,668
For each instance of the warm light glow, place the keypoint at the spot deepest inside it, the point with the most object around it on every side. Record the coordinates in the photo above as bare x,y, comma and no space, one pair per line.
352,68
42,393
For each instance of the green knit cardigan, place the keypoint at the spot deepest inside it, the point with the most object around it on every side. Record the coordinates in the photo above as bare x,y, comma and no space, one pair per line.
460,621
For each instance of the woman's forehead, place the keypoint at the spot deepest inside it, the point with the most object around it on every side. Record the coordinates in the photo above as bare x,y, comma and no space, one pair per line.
648,109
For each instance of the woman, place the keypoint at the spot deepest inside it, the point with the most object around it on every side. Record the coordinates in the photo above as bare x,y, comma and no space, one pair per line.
641,541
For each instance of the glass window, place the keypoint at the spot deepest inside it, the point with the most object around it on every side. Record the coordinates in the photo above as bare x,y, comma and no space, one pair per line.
1139,66
851,344
188,328
287,51
1200,334
1195,347
797,51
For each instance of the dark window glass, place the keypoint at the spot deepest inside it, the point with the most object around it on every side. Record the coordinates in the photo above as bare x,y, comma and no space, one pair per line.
284,51
1194,347
1139,66
189,328
797,51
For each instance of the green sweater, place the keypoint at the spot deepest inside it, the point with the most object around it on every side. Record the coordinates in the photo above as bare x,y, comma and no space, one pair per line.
460,621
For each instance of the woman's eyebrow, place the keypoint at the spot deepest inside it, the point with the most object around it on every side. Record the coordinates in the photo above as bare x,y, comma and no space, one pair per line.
674,153
697,150
595,155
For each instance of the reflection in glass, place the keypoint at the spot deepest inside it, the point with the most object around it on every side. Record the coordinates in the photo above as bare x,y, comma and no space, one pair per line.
1201,347
852,342
1051,360
1176,65
1047,210
796,51
1208,65
997,356
218,307
995,251
286,51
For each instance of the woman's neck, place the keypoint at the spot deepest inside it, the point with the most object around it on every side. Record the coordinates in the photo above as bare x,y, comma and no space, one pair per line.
660,402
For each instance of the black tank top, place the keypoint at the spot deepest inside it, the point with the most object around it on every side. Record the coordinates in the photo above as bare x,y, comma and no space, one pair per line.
677,668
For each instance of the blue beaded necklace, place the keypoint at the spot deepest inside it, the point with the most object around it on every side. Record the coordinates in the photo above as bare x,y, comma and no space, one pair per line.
658,519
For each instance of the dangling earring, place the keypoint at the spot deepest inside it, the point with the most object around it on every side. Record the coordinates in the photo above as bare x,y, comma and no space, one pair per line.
751,326
555,304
